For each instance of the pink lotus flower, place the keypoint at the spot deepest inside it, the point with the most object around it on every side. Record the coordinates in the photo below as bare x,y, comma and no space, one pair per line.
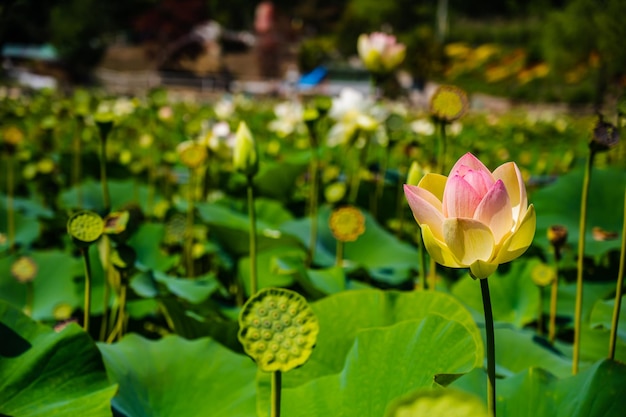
473,218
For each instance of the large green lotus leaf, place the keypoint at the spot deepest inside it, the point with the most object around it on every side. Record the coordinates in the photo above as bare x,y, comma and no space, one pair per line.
592,293
195,290
602,316
386,258
29,207
594,345
88,195
514,296
277,179
26,225
594,392
330,280
47,373
53,285
146,243
232,227
341,316
559,203
536,353
204,321
267,275
384,364
179,377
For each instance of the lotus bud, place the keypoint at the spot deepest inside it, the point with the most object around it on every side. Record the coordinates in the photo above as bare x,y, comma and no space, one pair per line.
245,156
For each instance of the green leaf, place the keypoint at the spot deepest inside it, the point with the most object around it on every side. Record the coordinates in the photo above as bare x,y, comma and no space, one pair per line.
342,316
48,373
178,377
514,296
25,222
594,392
122,192
232,228
537,353
52,286
602,316
386,258
195,290
384,364
146,242
330,280
268,274
277,179
559,203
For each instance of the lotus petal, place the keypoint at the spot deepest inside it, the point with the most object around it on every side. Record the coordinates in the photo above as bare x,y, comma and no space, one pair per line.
495,211
460,199
438,249
468,240
426,208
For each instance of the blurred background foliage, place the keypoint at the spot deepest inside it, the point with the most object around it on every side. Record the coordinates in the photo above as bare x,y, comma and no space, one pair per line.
534,50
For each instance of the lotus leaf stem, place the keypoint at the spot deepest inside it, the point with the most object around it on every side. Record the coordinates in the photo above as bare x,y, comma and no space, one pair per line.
10,208
252,216
580,261
87,304
554,293
618,291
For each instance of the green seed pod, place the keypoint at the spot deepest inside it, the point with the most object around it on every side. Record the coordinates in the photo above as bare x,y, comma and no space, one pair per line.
85,227
437,403
271,336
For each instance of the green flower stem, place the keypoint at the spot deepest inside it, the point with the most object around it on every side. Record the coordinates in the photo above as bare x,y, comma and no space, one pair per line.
118,331
76,165
104,326
30,297
10,208
432,273
580,262
540,312
314,172
554,293
491,351
190,222
108,281
339,253
441,158
252,215
422,257
400,206
618,290
275,387
380,180
87,305
106,197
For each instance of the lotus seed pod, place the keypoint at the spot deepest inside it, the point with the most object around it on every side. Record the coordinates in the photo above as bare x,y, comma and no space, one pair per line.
85,227
437,403
543,275
192,154
347,223
24,269
448,103
271,336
